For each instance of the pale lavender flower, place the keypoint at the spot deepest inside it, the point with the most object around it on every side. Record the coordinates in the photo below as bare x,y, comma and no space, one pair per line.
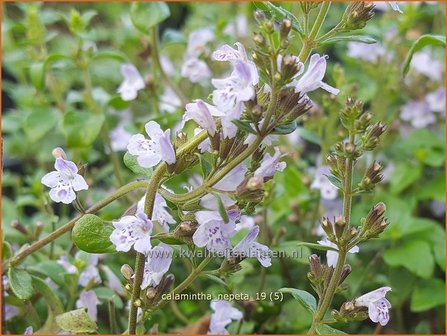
205,145
222,316
247,247
312,79
64,181
321,182
202,113
167,65
384,6
437,208
113,282
270,164
89,275
233,179
119,138
417,112
436,100
209,201
367,52
69,267
89,300
160,212
197,41
245,222
196,70
169,101
10,312
332,256
213,232
237,28
132,83
150,152
158,263
378,306
132,231
424,64
28,331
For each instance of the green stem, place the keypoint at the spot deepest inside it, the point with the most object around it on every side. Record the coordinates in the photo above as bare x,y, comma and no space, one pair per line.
164,76
69,225
309,41
203,189
140,258
335,279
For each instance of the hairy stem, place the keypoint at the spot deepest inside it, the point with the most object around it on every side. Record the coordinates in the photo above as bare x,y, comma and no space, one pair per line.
335,279
69,225
309,41
140,258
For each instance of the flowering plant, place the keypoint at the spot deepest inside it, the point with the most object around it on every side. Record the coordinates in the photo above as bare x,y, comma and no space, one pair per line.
232,179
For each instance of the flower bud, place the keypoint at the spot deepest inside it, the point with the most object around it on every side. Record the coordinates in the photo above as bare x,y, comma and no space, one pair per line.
185,229
15,224
58,152
260,16
346,270
357,14
340,224
328,228
284,29
150,293
39,229
127,272
315,266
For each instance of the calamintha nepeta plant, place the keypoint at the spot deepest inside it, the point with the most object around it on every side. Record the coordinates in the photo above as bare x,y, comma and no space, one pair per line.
263,97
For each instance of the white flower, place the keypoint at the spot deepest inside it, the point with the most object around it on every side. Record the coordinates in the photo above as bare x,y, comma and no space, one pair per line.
238,27
270,164
150,152
332,256
64,181
196,70
247,247
132,83
159,213
89,300
158,263
327,190
132,231
312,79
223,314
378,306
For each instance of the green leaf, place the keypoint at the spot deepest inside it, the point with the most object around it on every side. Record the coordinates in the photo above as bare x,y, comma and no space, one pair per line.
306,299
81,128
335,181
309,136
55,306
105,294
278,13
215,279
39,122
37,75
421,42
244,125
146,15
111,55
6,250
131,162
76,321
49,268
403,176
317,246
170,240
350,38
221,208
324,329
91,235
415,255
285,128
205,165
21,283
428,294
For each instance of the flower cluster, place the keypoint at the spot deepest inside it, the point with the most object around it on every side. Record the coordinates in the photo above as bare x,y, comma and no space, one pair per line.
222,316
